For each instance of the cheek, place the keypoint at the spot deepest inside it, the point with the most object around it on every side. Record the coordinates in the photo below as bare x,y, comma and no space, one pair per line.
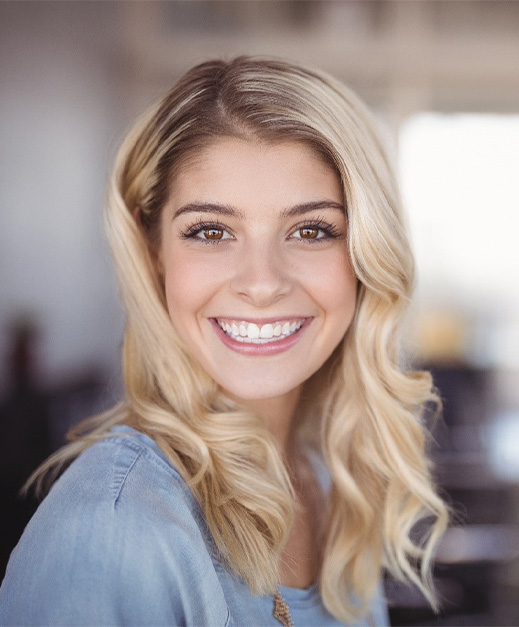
190,280
343,290
334,285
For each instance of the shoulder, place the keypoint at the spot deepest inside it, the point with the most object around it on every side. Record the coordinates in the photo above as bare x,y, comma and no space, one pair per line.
124,454
120,540
123,485
124,471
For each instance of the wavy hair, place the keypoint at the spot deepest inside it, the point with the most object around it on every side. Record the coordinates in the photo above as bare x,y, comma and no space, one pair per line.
366,412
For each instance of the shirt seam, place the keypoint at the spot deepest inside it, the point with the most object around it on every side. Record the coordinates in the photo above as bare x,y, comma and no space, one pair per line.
228,620
144,451
132,442
121,474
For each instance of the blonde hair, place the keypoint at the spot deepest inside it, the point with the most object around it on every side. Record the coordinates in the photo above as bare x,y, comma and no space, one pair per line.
369,410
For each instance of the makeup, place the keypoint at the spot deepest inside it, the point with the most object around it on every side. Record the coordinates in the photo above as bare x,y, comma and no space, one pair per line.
261,337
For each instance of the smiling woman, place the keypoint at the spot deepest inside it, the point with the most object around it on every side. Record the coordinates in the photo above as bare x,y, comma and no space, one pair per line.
266,290
268,462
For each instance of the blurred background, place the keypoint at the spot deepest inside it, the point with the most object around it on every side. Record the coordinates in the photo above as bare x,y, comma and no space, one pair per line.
442,78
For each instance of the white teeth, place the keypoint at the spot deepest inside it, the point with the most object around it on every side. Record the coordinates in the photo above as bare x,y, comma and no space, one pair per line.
250,332
267,331
253,331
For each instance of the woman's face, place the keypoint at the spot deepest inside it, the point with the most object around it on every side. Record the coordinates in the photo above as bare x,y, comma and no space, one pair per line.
253,253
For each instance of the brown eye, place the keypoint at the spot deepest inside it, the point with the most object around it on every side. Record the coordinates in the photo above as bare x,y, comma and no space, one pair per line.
213,234
206,233
309,233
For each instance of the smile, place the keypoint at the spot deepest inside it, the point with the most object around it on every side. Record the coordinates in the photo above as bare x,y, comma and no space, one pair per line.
252,333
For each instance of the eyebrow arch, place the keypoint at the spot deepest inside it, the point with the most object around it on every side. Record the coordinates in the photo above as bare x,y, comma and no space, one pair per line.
208,207
226,210
307,207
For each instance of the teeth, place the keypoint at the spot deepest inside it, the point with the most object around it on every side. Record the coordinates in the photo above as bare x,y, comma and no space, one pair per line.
253,331
250,332
267,331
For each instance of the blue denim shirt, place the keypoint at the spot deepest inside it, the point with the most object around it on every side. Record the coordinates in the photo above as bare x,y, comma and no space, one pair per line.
120,540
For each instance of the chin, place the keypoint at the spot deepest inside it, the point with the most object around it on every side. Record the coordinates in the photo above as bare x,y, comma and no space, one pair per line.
245,395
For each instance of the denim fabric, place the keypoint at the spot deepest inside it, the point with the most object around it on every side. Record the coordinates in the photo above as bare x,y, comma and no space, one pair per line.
120,540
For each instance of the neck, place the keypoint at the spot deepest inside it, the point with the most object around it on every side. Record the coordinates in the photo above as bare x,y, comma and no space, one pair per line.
278,414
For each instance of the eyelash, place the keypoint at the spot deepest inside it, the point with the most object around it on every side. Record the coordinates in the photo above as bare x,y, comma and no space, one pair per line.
192,231
331,231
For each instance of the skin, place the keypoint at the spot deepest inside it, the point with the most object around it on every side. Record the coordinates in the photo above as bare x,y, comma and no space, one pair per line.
272,246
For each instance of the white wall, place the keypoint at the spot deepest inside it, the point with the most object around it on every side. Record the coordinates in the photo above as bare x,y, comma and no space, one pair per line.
58,106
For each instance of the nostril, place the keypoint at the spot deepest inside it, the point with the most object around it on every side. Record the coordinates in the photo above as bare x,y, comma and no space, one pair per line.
261,283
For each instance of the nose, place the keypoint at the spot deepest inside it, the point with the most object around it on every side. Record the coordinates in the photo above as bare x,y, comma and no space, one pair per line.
262,277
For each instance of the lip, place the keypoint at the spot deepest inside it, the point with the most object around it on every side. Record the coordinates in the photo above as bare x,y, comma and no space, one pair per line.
270,348
260,321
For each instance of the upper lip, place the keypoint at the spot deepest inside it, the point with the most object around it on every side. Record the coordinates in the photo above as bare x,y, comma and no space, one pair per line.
261,321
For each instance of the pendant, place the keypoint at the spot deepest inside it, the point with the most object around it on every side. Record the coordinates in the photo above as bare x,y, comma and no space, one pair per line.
281,611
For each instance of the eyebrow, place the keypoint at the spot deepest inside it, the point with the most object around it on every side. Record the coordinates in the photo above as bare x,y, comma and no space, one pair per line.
227,210
307,207
208,207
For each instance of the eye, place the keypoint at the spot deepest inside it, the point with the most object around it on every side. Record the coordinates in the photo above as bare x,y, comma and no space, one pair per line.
213,234
309,232
206,232
316,230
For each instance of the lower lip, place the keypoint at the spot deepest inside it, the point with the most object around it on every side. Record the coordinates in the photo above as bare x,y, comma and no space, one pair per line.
270,348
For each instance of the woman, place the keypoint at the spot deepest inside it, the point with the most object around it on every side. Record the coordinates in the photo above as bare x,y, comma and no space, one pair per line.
268,462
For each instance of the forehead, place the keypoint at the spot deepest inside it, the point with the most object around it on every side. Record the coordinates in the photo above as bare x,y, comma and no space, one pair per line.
235,171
